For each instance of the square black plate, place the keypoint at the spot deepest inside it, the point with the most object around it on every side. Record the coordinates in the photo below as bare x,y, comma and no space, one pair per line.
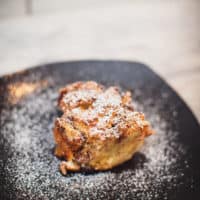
167,167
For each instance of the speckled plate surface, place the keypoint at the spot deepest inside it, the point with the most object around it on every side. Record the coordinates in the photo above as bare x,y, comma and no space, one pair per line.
167,167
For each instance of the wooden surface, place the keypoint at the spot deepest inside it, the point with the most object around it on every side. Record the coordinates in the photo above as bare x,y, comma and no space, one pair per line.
162,34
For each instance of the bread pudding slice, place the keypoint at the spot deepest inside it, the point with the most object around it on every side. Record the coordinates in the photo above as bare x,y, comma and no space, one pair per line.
99,128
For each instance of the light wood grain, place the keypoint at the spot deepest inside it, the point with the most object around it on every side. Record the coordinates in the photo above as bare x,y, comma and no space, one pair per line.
162,34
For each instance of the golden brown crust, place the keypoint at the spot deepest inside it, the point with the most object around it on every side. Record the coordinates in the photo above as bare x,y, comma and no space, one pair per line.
99,128
70,98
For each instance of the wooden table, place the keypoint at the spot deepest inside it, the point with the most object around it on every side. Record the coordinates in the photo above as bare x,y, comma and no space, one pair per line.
162,34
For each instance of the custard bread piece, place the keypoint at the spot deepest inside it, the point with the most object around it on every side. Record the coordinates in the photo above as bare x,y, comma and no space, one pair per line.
99,128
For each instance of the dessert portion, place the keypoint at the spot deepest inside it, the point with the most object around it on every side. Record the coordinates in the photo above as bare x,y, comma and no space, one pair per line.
99,128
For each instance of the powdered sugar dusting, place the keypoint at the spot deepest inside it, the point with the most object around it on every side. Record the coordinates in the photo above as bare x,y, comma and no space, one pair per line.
105,112
32,169
75,96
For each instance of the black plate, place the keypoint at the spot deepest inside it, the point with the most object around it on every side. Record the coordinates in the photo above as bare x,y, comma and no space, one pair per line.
167,167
